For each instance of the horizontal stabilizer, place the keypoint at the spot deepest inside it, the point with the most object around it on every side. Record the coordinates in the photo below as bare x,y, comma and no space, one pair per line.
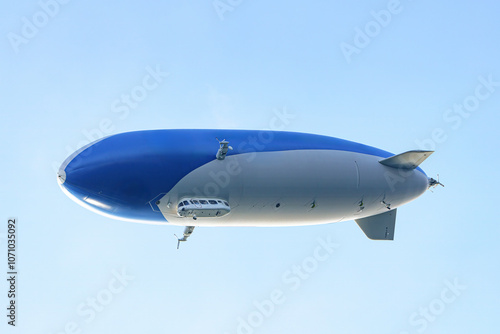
407,160
379,227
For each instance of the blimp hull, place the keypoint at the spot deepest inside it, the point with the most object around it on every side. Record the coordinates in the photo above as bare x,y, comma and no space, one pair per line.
266,178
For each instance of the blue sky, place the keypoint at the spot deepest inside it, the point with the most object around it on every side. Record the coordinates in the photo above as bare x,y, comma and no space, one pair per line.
424,75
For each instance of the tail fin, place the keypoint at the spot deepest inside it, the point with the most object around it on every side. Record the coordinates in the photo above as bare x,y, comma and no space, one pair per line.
407,160
379,227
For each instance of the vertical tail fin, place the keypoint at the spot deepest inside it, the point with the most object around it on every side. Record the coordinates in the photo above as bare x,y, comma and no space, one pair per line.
379,227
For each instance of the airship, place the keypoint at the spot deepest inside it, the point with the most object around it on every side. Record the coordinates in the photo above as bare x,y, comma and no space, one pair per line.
202,177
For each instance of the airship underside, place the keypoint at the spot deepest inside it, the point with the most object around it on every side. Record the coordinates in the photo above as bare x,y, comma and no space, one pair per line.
249,178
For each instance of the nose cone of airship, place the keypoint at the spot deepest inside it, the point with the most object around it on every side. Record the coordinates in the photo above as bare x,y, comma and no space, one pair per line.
116,176
77,176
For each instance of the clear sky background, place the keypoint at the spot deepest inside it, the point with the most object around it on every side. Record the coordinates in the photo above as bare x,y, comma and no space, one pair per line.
397,76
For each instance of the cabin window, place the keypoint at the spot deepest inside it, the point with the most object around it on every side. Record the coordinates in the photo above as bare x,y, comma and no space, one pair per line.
211,201
195,201
202,201
181,204
185,202
226,203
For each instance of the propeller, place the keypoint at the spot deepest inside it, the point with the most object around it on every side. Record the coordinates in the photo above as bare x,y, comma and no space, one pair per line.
434,183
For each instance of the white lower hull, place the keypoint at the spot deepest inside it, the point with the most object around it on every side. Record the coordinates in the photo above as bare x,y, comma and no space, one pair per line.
314,187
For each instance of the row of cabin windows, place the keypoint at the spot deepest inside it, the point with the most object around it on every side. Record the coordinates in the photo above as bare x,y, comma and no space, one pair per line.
202,201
